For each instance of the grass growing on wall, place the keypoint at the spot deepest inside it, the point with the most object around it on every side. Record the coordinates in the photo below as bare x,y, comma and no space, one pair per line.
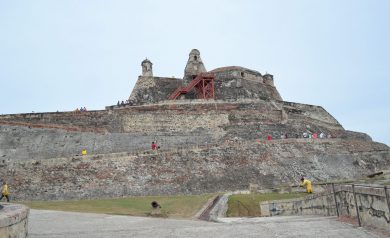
240,205
171,206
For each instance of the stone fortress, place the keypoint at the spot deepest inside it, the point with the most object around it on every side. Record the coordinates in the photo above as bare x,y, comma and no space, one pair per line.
211,126
231,83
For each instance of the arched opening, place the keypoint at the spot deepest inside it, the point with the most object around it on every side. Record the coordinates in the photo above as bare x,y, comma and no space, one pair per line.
195,58
242,74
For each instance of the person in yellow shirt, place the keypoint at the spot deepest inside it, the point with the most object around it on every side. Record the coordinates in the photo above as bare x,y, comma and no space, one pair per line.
307,183
4,191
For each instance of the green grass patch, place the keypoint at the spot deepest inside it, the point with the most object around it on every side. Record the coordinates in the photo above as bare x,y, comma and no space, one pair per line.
248,204
171,206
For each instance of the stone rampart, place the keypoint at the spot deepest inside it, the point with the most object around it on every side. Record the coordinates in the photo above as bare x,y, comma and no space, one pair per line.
236,84
205,147
50,135
191,170
13,220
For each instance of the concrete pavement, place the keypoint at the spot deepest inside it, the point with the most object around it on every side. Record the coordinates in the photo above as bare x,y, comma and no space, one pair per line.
84,225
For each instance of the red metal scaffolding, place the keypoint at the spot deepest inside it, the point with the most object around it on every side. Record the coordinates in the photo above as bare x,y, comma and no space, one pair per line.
203,84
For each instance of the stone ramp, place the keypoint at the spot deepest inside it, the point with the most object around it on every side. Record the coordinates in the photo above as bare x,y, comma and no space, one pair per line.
72,224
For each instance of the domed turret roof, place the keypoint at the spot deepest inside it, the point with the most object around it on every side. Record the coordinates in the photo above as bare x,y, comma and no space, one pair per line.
146,60
235,68
195,52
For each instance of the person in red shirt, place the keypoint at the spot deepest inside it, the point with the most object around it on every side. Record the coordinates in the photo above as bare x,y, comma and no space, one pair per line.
269,137
154,146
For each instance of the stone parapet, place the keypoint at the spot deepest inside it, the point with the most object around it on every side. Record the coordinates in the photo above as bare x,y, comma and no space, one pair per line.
13,220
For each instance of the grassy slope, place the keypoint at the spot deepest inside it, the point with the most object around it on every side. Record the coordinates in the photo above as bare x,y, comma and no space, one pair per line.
172,206
248,204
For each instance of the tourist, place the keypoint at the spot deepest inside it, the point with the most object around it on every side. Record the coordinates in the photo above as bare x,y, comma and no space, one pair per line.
269,137
4,191
315,136
322,135
118,103
81,109
307,183
154,146
305,135
85,109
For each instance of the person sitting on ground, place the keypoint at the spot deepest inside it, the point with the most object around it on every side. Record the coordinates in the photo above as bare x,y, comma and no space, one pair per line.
4,191
306,183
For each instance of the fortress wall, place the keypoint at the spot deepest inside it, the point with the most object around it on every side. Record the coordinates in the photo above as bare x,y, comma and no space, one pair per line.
153,89
314,112
231,86
91,121
30,136
240,88
20,143
193,170
235,72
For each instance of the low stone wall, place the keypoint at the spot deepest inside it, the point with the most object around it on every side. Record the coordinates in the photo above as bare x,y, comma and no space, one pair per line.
372,203
13,220
311,205
219,210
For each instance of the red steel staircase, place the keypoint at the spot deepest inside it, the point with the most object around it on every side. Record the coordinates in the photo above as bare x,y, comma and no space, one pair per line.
203,84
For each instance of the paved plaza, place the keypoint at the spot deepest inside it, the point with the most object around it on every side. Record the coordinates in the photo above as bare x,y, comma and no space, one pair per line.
72,224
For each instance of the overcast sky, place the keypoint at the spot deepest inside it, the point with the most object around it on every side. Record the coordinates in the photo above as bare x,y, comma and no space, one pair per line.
60,55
